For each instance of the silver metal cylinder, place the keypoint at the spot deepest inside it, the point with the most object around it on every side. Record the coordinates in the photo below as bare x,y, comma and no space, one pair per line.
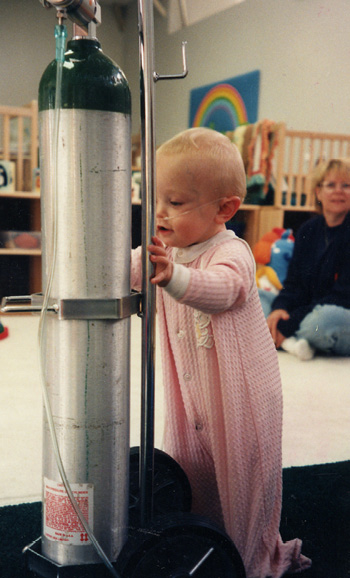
87,361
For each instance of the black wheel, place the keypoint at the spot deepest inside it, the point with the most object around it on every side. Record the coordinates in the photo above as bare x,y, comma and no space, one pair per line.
180,546
171,488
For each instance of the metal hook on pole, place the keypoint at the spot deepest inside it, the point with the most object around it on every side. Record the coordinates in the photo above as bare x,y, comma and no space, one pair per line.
184,72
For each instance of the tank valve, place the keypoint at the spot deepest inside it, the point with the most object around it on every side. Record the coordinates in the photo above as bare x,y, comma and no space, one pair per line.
81,12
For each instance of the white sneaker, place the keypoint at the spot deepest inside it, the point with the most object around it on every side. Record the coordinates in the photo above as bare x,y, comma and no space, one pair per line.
298,347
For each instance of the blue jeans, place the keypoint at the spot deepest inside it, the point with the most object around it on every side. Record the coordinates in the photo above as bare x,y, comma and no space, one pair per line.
327,327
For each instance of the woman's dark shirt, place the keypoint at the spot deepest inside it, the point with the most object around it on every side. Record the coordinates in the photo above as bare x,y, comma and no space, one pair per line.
319,272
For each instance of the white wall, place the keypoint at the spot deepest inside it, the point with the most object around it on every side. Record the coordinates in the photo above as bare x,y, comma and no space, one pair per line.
27,46
301,47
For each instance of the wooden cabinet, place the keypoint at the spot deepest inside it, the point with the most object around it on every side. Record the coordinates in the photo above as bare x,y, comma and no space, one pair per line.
258,220
20,267
271,217
246,223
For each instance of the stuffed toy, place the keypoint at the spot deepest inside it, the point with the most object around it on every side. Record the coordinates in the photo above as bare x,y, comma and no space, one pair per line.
274,250
269,286
260,154
262,249
281,254
267,279
3,331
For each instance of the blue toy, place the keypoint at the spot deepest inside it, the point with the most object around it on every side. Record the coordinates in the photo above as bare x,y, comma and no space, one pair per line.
281,254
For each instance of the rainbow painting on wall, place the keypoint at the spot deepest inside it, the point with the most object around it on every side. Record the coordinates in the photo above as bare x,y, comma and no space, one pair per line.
225,105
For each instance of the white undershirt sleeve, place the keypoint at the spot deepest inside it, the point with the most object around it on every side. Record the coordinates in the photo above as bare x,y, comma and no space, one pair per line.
179,282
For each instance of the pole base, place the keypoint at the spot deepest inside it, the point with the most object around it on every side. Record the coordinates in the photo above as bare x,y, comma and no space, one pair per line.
37,563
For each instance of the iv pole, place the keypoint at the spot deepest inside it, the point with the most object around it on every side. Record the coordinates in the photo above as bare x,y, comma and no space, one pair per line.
148,77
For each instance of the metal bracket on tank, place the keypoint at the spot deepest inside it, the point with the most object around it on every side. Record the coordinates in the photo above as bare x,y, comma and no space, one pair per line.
102,309
69,309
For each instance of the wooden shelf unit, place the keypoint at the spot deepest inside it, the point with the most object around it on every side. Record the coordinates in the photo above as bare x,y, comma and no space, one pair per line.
20,195
19,143
251,219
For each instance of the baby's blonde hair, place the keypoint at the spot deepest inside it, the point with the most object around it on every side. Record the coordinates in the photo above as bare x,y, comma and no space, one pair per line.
220,157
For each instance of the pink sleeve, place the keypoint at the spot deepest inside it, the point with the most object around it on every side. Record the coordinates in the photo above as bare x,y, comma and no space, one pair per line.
223,283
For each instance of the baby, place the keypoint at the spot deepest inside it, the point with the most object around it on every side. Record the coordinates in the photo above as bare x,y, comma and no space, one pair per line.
223,398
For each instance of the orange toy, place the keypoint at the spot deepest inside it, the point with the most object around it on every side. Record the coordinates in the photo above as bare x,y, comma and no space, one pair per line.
262,249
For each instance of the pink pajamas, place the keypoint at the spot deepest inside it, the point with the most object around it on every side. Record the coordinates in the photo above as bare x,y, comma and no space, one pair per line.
223,400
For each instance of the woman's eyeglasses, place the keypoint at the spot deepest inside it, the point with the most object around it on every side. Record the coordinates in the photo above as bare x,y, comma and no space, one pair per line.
331,186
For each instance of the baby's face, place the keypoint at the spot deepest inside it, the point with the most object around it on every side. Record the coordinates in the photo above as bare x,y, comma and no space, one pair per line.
186,209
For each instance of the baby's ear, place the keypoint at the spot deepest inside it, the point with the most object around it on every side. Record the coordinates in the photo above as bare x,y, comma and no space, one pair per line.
228,207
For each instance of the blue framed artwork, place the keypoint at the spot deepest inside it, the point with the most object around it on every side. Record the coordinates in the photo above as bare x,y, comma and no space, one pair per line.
225,105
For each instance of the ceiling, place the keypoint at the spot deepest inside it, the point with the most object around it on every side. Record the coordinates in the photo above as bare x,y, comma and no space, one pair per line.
181,13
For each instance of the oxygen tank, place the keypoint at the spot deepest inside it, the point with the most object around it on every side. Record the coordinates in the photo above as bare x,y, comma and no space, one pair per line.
86,359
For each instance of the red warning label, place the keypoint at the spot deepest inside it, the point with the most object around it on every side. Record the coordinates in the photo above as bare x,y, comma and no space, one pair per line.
61,522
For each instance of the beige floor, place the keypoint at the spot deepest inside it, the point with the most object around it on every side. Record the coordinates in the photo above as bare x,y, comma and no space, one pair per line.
316,409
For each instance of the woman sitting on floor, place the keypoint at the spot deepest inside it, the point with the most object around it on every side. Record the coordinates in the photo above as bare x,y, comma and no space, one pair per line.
312,311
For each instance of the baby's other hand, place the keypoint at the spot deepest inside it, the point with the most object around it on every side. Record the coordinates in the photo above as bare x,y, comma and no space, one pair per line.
163,268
